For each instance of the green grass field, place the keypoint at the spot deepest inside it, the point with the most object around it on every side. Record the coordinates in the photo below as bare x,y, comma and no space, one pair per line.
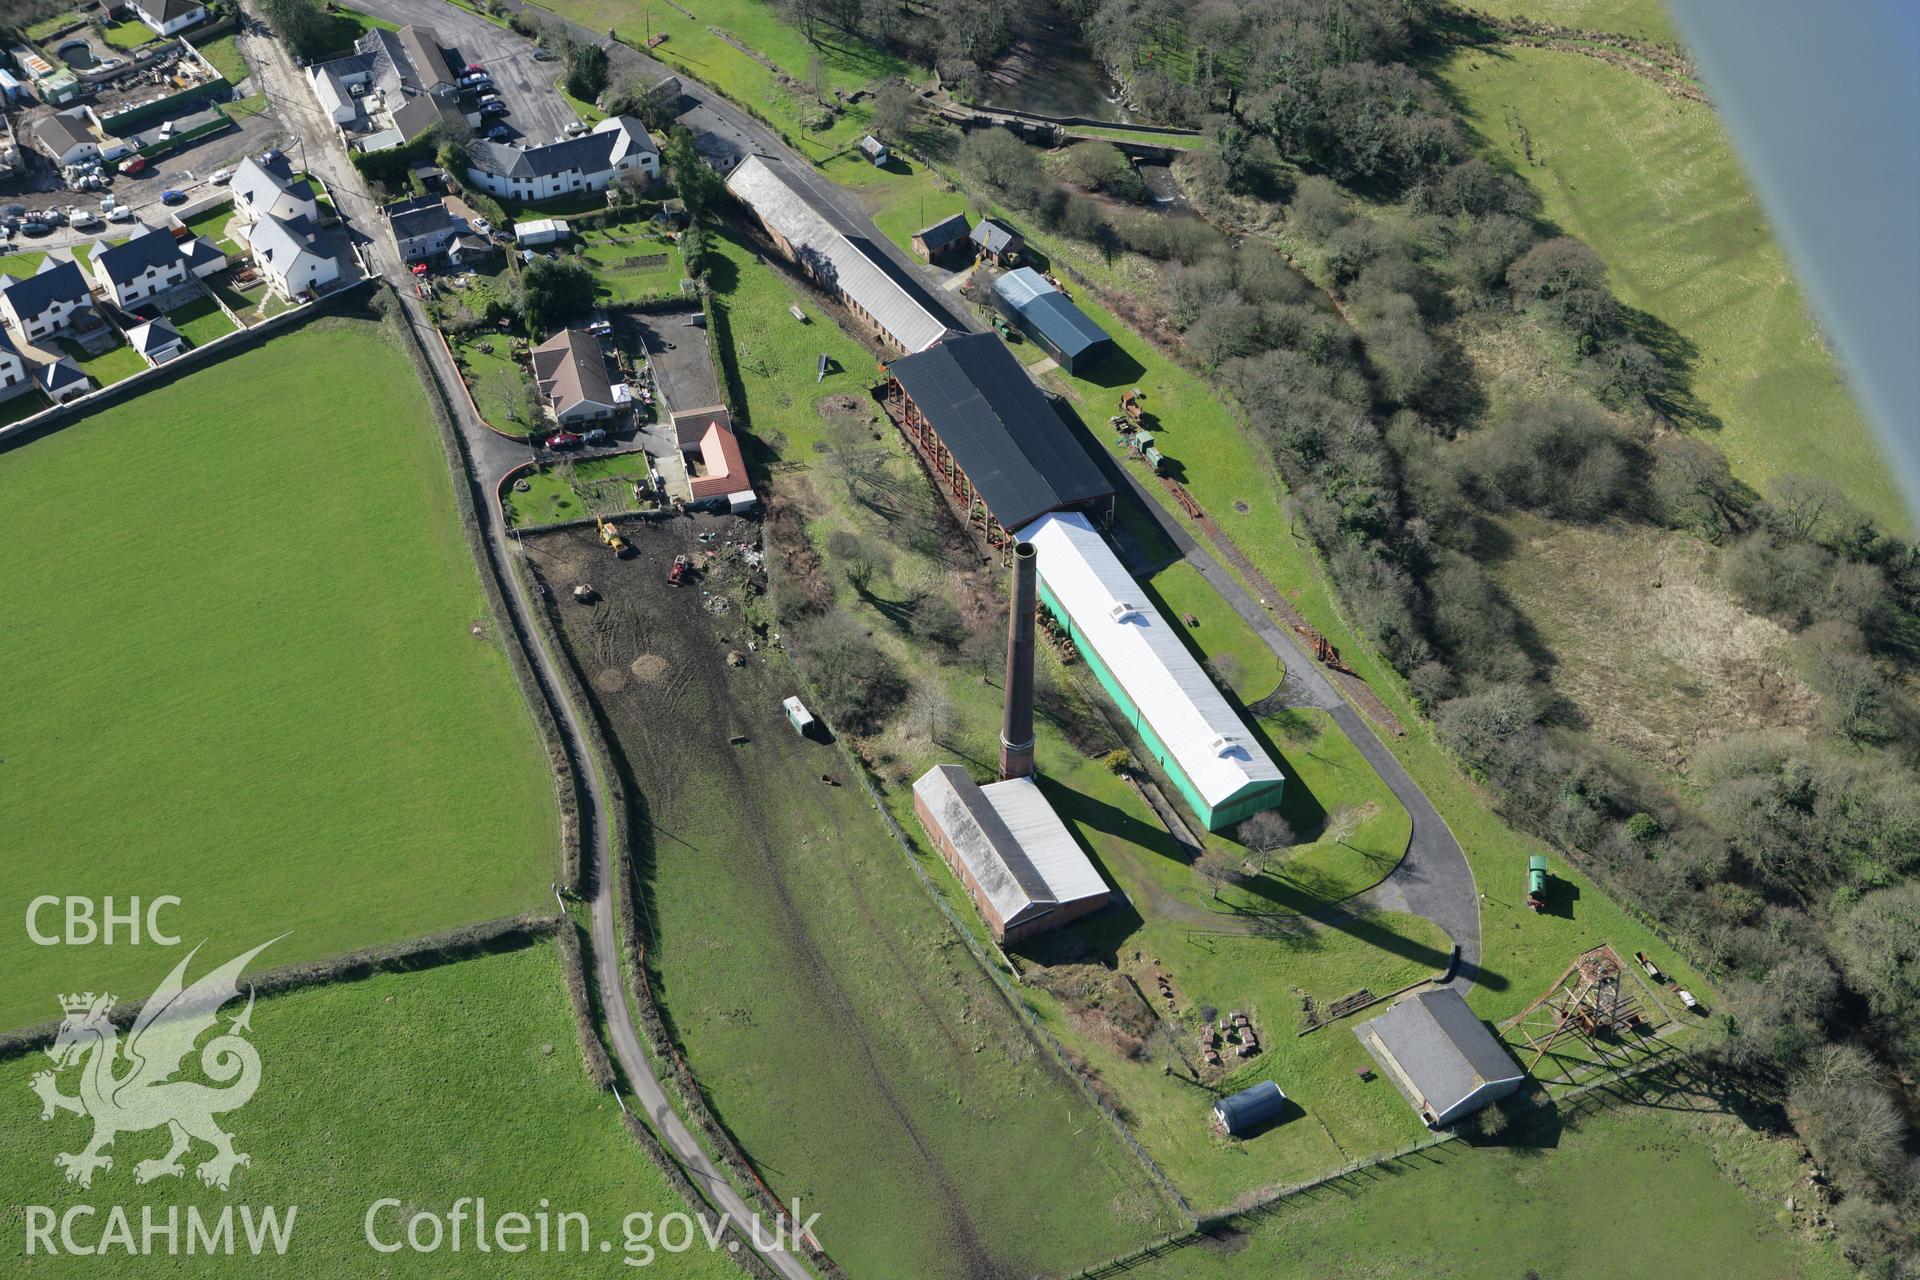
224,54
213,225
110,366
424,1088
696,51
575,489
1641,19
1654,185
498,381
242,670
629,263
1251,669
22,264
1610,1194
201,321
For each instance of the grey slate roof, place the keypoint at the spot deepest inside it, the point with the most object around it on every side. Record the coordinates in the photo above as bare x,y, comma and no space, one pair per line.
1443,1048
947,231
257,176
423,51
418,114
30,296
154,335
59,374
168,10
993,237
837,253
1049,311
123,262
589,153
422,217
1005,434
65,130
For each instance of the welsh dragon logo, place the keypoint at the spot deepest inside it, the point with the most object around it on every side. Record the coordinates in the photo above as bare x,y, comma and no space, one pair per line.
130,1088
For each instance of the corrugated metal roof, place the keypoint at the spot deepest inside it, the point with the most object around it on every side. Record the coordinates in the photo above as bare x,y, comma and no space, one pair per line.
1004,433
1050,311
1218,754
1016,848
1445,1051
839,255
1252,1106
1045,840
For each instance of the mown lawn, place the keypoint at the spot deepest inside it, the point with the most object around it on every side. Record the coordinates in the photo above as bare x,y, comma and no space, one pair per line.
1693,1189
242,670
574,489
1654,185
695,51
498,382
110,366
201,321
133,34
461,1081
1243,662
21,264
630,263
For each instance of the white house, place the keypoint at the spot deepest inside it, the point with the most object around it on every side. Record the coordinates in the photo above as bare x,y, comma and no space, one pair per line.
334,84
294,260
423,227
68,136
592,162
14,376
157,340
169,17
264,186
149,264
44,303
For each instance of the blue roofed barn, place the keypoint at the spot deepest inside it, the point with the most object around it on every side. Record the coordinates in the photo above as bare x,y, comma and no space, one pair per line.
1049,317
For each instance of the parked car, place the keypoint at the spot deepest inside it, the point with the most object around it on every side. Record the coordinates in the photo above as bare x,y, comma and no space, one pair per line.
563,440
173,197
575,129
84,220
35,227
499,133
420,269
134,165
220,177
54,217
482,226
476,69
545,55
494,108
476,81
596,437
120,213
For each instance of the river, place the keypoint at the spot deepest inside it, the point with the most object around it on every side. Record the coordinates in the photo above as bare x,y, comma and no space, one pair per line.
1050,71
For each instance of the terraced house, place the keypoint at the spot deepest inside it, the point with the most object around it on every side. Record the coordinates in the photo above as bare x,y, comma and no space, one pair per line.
593,162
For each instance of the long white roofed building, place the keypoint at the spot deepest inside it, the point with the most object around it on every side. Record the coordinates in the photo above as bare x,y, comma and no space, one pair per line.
837,255
1188,726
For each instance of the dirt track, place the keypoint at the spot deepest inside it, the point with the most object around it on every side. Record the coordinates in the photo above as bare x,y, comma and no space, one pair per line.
657,658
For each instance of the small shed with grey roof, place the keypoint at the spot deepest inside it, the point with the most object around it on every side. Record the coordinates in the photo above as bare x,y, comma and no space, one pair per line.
1002,244
1440,1056
1022,867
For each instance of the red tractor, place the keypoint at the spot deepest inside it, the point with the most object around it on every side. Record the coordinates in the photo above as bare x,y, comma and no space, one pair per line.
681,571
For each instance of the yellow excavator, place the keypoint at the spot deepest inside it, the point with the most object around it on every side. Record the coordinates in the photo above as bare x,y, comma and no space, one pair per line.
611,536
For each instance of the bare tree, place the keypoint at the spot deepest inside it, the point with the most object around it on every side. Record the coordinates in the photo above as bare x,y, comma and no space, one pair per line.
929,712
1217,867
1263,834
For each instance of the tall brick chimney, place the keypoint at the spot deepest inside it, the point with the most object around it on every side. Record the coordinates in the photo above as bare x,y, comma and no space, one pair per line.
1016,722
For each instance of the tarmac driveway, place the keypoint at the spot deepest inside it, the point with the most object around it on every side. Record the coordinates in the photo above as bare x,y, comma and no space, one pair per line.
539,113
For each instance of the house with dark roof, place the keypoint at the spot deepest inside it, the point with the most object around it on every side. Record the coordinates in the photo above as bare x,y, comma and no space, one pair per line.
571,372
266,186
1048,316
46,302
1440,1056
992,438
149,264
62,380
824,244
157,340
169,17
204,258
997,242
944,237
68,136
418,115
423,227
591,162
